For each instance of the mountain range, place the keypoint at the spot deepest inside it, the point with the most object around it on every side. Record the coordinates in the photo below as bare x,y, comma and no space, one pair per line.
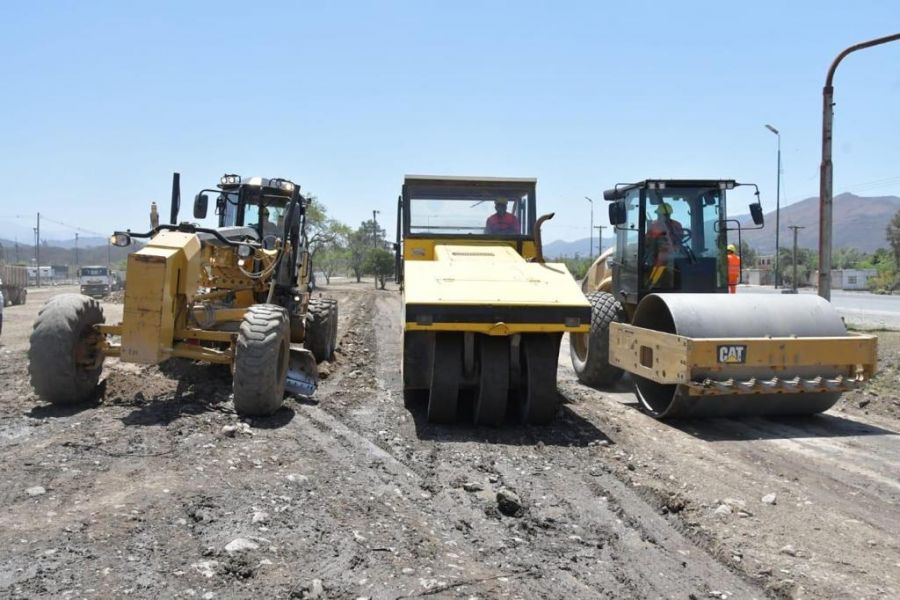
858,222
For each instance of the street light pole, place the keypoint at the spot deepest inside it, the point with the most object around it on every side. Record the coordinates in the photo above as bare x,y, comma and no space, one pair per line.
825,171
777,210
794,256
599,229
591,230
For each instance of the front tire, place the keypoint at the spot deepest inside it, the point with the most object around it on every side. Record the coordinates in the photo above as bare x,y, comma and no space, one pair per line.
261,360
590,351
321,328
64,359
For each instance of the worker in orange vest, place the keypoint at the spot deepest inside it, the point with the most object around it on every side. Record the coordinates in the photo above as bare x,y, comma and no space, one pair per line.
734,269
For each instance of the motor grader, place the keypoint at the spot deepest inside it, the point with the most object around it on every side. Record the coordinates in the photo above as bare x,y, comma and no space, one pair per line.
661,312
237,294
483,314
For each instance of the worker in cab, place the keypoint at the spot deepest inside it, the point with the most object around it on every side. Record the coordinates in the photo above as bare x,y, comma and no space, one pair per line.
502,221
734,268
663,242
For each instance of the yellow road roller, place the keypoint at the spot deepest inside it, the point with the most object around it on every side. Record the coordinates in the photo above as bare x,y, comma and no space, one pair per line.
661,311
483,313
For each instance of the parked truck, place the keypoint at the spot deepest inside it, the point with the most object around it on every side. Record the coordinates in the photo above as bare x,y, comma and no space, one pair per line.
13,280
95,281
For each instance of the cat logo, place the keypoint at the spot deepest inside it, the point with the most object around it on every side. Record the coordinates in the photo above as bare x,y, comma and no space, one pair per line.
732,354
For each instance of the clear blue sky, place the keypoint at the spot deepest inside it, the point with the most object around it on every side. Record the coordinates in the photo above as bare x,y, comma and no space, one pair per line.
103,100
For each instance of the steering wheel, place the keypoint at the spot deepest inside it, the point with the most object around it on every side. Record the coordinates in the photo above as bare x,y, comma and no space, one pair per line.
685,235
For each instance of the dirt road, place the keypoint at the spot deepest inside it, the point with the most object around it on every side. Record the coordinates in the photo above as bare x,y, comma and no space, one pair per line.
144,495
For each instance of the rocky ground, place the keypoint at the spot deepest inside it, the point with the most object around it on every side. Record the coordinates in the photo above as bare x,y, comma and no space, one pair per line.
159,490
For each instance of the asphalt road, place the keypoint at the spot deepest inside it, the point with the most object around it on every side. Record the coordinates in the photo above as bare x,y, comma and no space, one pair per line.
860,309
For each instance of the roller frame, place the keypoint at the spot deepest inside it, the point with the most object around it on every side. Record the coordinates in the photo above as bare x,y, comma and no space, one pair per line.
669,359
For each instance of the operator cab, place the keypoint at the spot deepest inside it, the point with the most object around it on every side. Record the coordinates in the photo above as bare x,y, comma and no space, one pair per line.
253,207
465,207
671,236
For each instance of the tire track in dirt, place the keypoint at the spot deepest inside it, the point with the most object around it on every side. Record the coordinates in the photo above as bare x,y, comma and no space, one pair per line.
580,546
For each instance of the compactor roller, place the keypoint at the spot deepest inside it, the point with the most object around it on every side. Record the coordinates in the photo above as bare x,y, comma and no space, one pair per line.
661,311
483,313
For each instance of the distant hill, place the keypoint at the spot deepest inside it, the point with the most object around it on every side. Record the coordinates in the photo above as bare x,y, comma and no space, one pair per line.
54,254
580,247
859,222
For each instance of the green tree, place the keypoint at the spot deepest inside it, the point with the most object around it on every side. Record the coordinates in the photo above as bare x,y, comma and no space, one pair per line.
847,258
748,255
331,260
358,245
380,263
893,236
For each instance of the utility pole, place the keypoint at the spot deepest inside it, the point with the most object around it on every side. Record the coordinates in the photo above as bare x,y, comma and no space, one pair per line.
777,210
795,228
76,254
599,229
37,248
826,174
591,230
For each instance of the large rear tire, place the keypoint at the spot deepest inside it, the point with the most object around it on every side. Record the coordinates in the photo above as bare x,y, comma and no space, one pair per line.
321,328
261,360
493,381
539,400
63,358
590,351
446,370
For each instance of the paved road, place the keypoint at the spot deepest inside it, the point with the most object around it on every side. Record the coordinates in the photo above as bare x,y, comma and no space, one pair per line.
860,309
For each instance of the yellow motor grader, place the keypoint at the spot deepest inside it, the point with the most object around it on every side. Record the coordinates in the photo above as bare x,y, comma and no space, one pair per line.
661,312
483,314
237,294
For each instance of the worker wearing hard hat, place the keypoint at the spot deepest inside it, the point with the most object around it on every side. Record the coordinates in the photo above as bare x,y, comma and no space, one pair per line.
663,241
734,268
502,221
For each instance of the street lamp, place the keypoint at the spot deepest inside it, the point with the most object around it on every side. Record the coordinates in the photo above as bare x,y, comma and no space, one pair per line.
825,170
777,210
591,230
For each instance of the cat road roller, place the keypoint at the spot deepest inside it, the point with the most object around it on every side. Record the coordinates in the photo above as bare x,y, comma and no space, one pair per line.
483,314
237,294
661,312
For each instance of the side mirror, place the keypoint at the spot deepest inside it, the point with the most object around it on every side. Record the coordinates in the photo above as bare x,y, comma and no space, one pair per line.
756,213
617,213
120,240
200,203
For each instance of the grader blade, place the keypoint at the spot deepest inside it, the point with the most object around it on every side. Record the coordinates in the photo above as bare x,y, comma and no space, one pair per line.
302,375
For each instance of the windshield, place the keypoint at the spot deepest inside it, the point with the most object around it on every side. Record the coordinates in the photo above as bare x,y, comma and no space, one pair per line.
93,271
447,211
683,222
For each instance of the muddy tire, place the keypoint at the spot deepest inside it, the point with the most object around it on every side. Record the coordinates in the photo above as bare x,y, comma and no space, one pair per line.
261,360
321,328
538,398
590,352
63,359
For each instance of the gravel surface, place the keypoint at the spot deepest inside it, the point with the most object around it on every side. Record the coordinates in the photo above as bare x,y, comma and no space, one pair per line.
159,490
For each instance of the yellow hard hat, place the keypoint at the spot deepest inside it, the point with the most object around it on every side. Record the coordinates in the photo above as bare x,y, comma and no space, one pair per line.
501,200
731,248
664,209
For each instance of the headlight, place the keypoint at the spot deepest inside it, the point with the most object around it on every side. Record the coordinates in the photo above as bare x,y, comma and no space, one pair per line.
282,184
120,239
230,179
244,250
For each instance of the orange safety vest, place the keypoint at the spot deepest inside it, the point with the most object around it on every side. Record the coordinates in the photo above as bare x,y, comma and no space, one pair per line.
734,268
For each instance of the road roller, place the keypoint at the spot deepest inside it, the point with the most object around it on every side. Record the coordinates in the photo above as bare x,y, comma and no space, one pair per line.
661,311
483,313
